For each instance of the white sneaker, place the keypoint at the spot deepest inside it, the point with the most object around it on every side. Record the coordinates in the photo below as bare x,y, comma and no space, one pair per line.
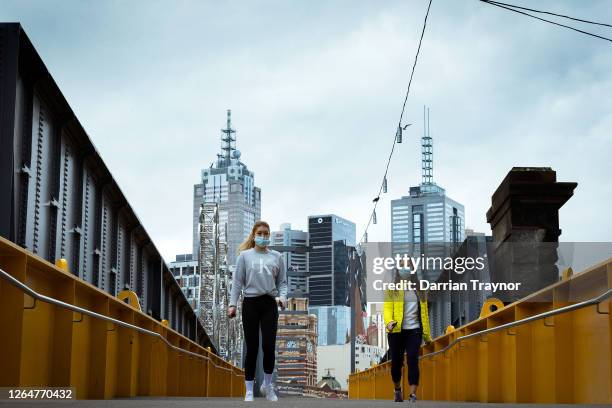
270,393
262,390
248,396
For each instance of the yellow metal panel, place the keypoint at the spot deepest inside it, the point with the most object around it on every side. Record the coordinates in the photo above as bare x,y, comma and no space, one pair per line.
135,357
80,355
159,366
441,369
12,260
110,388
427,380
592,356
524,353
124,357
46,345
564,347
173,367
183,371
507,370
62,335
494,364
37,334
145,360
543,356
562,359
98,346
470,373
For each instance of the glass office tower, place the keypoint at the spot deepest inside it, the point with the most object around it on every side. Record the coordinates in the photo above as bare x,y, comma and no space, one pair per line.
327,281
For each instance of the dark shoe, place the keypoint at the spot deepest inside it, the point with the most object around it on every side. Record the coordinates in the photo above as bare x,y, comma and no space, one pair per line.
398,396
412,398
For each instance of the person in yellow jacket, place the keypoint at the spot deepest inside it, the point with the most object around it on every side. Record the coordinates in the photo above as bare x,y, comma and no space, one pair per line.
407,323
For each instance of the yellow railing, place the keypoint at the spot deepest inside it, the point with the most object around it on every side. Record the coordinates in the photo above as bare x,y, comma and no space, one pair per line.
550,347
60,331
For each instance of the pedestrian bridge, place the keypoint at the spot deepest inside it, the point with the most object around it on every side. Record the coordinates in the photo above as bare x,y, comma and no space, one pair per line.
60,331
66,328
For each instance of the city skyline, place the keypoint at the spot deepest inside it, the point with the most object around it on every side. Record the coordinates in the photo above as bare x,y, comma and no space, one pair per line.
156,118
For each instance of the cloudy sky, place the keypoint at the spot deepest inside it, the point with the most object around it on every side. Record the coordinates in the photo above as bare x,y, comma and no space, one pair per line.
316,90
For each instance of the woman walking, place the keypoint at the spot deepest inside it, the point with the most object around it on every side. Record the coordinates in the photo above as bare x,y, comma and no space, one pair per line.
261,276
407,322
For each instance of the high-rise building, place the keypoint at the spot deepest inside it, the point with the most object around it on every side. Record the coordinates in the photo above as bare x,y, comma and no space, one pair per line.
334,324
230,183
329,237
377,320
426,220
427,216
226,205
185,271
367,356
461,307
296,261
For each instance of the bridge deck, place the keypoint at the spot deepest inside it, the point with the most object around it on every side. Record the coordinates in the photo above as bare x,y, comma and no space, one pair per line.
235,402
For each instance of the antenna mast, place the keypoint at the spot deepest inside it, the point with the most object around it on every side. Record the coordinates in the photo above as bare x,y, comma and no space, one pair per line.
228,140
426,151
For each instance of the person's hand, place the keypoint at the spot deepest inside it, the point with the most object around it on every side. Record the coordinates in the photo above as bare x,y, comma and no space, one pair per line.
391,325
231,311
280,303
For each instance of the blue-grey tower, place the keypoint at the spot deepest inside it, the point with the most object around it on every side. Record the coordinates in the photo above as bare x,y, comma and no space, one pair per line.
426,215
231,184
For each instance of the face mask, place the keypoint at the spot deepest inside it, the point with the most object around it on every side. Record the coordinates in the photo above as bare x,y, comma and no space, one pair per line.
405,273
262,242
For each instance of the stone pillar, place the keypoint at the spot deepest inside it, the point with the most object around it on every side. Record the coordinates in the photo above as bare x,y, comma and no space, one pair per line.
524,217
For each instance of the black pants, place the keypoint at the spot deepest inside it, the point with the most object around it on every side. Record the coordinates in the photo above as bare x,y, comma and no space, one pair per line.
260,311
408,341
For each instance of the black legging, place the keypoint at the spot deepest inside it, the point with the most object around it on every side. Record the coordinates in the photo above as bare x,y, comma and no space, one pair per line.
259,311
408,341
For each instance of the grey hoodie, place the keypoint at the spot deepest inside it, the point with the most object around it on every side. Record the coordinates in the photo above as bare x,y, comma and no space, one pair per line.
259,274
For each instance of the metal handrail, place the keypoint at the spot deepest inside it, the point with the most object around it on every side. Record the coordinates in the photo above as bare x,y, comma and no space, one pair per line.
47,299
543,315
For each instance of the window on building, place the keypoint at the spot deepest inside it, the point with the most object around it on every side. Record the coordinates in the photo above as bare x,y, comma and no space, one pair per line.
455,226
417,228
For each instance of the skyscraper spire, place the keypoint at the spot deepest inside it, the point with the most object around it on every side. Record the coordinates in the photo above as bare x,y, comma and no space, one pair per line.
228,141
426,151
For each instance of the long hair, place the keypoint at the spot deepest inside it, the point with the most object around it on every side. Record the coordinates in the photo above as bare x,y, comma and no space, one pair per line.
249,242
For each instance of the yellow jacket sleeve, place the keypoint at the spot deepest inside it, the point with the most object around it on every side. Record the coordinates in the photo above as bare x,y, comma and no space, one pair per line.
425,322
388,309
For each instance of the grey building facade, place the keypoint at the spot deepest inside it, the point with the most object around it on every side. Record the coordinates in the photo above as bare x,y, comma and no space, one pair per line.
425,218
333,324
458,308
296,262
186,272
427,214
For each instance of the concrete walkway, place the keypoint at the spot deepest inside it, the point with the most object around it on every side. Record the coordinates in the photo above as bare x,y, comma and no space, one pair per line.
226,402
